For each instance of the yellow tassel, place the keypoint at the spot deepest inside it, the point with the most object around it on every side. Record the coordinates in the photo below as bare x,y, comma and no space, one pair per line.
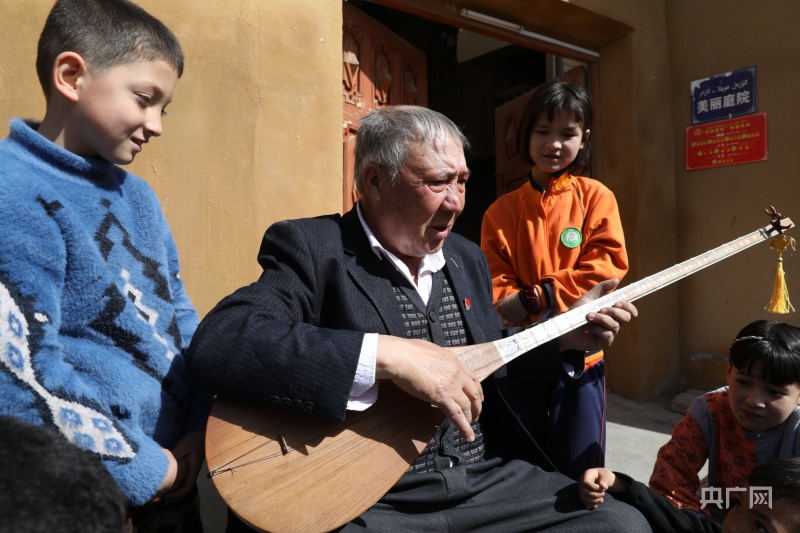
779,303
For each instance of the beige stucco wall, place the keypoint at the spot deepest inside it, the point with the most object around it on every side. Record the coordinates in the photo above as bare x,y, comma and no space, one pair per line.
709,38
253,133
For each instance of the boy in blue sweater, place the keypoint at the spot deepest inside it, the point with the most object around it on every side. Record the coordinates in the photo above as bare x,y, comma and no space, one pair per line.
94,316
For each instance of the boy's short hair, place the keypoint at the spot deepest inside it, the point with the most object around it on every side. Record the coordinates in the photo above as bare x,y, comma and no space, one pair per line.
50,484
773,347
106,33
782,475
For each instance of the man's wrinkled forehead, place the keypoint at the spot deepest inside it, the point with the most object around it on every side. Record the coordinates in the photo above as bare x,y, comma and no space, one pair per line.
445,145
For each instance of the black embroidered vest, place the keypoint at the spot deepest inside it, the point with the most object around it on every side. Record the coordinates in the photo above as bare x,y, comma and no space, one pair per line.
439,322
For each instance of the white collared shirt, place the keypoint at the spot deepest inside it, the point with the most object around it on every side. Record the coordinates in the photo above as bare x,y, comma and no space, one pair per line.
364,392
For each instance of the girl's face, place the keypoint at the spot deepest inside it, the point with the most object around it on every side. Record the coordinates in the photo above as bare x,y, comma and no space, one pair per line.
554,145
757,404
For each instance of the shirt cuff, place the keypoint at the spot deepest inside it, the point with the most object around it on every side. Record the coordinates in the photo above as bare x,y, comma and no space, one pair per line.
364,391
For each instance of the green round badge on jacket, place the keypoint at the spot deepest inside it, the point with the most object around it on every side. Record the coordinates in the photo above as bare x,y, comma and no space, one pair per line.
571,237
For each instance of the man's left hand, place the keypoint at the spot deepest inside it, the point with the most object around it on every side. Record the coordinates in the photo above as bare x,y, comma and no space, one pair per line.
603,325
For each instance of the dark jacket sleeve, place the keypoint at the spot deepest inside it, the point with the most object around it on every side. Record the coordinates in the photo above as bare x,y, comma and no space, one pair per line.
660,513
264,342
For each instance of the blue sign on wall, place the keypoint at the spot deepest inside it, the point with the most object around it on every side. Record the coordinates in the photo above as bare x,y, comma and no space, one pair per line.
724,96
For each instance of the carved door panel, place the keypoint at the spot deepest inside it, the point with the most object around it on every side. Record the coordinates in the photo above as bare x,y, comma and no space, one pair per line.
511,171
378,69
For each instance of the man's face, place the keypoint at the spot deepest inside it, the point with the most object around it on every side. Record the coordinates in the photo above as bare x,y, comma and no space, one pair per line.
784,517
117,112
413,217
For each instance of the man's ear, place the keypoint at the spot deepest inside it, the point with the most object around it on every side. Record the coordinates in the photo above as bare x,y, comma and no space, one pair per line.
374,181
69,72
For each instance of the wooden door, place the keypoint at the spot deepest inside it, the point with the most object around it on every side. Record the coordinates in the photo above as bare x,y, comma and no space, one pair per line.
378,69
511,171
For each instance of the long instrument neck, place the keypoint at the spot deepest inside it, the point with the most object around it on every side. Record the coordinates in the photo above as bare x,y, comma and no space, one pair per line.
522,342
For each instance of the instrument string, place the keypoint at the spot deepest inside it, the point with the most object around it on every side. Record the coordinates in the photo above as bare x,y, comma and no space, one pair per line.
285,449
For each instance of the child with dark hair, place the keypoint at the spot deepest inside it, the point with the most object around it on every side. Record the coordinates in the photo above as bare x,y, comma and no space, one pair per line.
770,501
547,243
49,484
753,419
95,317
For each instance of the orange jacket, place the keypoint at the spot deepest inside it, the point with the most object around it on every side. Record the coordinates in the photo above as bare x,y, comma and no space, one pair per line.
523,233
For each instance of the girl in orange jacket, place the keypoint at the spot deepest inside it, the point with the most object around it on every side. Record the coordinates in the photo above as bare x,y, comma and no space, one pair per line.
547,243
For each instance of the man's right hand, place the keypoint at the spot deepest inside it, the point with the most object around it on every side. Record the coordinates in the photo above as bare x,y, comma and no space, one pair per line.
603,325
433,374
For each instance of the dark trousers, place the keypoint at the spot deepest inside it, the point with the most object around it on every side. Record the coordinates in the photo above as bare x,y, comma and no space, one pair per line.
489,497
567,418
173,515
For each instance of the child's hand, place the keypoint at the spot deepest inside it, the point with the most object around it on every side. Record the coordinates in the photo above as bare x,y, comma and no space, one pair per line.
169,478
511,310
593,486
189,453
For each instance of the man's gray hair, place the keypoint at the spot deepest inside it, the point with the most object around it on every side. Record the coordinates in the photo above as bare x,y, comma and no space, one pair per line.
386,134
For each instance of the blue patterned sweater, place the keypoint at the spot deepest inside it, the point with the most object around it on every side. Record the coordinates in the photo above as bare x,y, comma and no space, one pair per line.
94,317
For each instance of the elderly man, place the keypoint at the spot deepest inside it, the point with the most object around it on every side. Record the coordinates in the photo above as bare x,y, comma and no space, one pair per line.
345,302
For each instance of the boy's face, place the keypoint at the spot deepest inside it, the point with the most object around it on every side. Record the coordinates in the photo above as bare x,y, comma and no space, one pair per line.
757,404
784,517
116,113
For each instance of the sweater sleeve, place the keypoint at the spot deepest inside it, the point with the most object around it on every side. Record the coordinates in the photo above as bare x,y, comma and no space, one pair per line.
675,474
37,382
497,249
603,254
659,511
199,404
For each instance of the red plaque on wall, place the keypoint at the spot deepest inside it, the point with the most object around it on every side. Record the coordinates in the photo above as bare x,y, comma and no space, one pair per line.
727,142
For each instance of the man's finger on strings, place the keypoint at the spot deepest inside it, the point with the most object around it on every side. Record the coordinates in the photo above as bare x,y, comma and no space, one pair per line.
460,419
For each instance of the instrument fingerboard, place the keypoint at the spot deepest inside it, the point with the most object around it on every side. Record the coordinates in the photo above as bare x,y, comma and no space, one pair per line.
512,347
